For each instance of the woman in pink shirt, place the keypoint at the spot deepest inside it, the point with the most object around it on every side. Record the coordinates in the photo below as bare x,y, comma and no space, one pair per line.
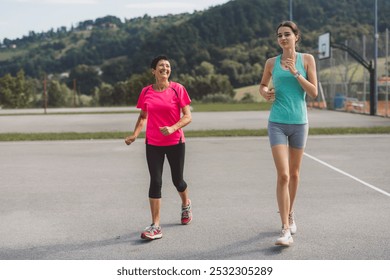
165,106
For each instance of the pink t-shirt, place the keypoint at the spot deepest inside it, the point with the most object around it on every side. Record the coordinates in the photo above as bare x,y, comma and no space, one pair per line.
164,109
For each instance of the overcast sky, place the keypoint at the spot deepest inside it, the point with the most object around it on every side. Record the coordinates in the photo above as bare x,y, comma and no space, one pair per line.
18,17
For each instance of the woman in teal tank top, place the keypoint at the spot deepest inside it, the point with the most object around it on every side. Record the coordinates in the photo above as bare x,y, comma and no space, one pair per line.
293,76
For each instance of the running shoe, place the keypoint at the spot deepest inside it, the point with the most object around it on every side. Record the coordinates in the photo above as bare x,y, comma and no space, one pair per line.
292,224
285,238
186,214
152,232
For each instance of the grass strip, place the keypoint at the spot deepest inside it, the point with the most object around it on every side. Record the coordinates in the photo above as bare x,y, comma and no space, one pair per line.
190,133
229,107
196,107
71,113
61,136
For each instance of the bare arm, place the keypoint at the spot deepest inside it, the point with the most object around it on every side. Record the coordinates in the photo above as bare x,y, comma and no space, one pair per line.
309,85
142,118
185,120
267,93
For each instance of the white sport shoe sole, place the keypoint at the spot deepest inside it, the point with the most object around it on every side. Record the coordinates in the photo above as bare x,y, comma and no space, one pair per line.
154,237
288,242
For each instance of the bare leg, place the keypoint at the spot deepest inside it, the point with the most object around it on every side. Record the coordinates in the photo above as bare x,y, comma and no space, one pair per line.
155,206
295,165
184,197
281,159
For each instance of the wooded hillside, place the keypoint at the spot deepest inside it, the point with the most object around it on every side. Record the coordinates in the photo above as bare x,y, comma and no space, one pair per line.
220,48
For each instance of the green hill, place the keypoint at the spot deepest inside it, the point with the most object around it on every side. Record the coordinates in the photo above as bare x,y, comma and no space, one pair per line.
224,44
241,30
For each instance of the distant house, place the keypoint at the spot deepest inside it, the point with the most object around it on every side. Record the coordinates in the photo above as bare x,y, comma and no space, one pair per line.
109,25
64,75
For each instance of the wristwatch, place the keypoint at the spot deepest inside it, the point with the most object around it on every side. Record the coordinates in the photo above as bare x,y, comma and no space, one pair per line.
297,74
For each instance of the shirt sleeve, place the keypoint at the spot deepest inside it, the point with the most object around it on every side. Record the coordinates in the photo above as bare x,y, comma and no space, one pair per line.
141,99
184,98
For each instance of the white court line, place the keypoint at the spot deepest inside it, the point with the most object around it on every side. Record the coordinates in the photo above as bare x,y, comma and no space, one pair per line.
348,175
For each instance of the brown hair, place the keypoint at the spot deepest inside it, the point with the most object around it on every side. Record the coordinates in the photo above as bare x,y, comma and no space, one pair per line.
293,27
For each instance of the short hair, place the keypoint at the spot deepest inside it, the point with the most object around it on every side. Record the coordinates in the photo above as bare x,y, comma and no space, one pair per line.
155,60
292,26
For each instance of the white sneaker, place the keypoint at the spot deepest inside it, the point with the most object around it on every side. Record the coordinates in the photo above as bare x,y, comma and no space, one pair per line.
285,238
292,224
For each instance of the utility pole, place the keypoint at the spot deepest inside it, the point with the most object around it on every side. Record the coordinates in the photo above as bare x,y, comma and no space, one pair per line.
74,92
387,73
44,95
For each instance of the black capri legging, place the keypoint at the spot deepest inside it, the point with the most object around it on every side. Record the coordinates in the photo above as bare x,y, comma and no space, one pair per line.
155,156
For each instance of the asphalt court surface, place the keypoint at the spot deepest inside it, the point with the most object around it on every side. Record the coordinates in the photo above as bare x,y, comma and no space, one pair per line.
88,200
87,122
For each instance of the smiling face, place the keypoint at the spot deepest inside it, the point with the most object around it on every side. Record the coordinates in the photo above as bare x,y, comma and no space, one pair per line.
286,37
163,69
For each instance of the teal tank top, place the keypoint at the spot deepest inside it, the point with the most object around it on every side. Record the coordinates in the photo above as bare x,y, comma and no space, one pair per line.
289,106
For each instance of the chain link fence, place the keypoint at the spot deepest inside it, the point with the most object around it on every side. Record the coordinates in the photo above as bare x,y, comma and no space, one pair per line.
344,84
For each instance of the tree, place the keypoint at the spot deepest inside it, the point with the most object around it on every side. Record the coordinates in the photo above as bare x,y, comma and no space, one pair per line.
6,86
135,85
86,77
233,69
201,86
57,94
21,94
105,94
13,91
120,93
205,68
114,72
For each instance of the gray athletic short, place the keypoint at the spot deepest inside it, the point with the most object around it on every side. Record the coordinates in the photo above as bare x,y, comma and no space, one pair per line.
295,135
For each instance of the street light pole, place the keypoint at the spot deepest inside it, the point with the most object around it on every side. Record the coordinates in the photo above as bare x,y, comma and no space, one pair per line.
374,99
291,12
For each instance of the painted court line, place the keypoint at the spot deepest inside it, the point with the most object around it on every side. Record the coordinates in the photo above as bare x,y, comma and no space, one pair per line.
348,175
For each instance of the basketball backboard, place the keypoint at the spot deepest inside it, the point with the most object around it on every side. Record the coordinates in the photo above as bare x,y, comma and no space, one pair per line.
324,46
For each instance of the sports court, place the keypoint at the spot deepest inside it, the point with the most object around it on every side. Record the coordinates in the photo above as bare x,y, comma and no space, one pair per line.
88,200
